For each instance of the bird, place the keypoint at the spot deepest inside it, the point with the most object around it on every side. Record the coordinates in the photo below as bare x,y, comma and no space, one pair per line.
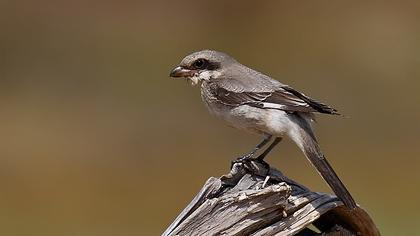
254,102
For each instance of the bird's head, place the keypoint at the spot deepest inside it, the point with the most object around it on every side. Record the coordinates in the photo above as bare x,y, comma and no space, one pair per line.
202,65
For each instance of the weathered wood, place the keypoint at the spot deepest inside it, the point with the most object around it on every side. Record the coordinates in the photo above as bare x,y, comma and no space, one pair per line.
255,200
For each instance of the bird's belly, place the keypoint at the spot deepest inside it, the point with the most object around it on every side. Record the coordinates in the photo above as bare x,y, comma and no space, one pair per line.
254,120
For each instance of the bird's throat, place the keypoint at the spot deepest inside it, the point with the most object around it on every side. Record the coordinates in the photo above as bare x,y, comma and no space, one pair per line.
203,75
194,80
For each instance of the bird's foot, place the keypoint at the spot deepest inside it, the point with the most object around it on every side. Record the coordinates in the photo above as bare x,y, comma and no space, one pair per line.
264,163
243,159
260,159
248,158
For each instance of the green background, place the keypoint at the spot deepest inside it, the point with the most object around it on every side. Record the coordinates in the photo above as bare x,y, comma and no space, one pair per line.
96,139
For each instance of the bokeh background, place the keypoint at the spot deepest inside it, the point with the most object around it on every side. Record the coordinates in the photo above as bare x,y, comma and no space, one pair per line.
96,139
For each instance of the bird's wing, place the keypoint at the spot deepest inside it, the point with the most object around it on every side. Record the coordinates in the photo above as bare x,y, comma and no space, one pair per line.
265,93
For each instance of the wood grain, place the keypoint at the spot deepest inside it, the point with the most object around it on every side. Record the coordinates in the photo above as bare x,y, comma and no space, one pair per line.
255,200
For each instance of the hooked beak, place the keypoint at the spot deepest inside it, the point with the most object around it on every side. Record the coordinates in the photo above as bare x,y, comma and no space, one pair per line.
178,72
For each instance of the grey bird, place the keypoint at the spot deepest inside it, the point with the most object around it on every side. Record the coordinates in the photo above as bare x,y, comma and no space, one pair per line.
254,102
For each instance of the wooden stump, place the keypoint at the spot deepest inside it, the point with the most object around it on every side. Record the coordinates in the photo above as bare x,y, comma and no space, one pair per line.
255,200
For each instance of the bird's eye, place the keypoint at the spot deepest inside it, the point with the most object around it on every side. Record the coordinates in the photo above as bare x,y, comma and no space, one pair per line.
200,64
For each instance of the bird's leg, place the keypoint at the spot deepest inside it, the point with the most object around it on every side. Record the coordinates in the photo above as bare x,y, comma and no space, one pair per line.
260,158
266,151
252,153
258,147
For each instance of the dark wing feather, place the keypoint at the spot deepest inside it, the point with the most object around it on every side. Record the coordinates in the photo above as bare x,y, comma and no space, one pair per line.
318,106
265,93
236,99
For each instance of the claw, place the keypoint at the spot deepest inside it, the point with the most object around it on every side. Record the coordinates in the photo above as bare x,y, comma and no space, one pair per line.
248,158
239,160
244,158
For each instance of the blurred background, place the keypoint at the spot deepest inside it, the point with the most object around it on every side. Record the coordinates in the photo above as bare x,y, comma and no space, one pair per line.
96,139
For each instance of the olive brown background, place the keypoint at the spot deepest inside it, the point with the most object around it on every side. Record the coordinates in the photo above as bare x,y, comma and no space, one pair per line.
96,139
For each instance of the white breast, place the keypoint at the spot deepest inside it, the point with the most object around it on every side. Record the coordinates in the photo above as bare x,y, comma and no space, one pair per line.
256,120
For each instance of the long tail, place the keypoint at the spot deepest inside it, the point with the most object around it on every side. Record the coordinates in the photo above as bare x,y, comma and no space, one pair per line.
306,140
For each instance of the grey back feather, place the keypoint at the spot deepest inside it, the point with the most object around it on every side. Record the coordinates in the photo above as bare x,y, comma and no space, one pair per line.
241,85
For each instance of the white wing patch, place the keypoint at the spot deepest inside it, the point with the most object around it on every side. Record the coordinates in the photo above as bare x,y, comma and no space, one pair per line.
273,106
